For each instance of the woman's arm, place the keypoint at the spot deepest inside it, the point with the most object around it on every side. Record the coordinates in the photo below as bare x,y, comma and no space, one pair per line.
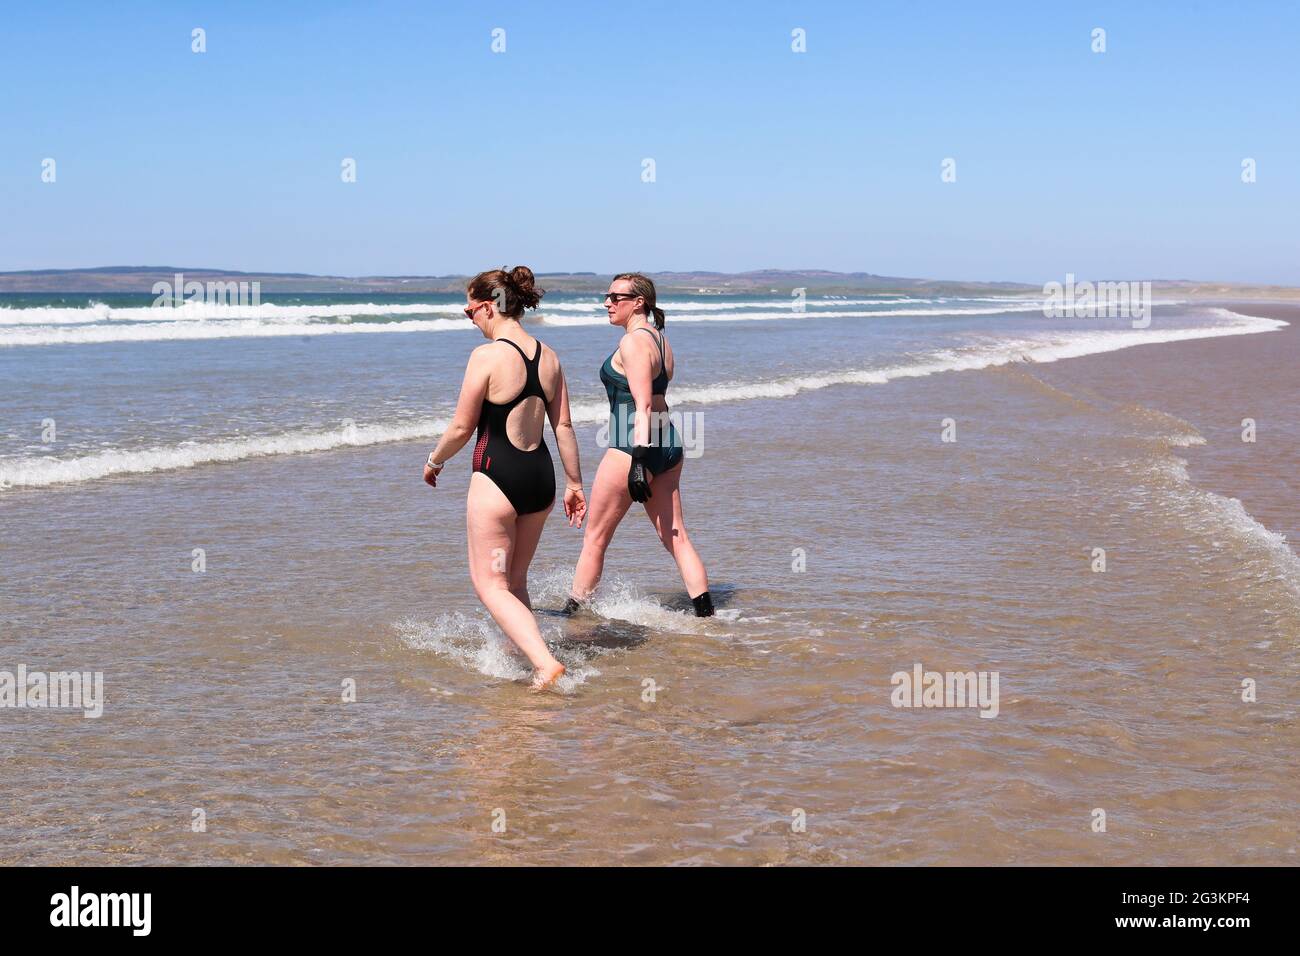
463,422
566,440
638,366
565,437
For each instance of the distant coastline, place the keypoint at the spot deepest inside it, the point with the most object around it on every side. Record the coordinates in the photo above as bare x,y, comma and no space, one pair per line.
140,279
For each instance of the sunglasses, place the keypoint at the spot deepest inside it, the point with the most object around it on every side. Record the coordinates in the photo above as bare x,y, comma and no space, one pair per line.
469,313
617,297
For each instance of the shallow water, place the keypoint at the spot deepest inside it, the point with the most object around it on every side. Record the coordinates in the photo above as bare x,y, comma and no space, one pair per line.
846,541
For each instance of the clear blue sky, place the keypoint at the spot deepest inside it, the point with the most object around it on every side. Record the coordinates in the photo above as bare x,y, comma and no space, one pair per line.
1122,164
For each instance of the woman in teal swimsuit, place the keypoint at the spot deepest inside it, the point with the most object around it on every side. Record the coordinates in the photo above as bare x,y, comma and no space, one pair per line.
644,460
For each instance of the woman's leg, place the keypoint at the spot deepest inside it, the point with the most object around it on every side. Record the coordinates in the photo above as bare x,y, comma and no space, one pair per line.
528,531
609,503
665,512
491,524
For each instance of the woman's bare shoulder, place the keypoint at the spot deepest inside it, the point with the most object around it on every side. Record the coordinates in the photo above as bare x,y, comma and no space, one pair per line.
481,356
631,341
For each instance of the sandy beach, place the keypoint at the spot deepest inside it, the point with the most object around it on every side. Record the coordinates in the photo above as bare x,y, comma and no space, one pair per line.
848,543
1214,385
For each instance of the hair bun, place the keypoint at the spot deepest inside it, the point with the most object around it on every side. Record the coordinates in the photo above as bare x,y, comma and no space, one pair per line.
521,277
511,289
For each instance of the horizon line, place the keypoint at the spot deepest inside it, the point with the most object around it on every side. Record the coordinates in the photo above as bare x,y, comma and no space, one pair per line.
126,270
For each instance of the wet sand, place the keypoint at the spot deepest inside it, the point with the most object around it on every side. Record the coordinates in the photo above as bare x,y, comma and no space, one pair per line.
1119,690
1215,384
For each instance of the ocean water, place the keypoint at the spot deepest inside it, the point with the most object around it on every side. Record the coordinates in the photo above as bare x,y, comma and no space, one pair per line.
134,389
846,539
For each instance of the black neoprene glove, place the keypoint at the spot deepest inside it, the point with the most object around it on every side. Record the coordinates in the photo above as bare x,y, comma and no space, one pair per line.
638,476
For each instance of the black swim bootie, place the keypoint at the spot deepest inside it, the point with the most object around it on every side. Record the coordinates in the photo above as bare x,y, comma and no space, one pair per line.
703,605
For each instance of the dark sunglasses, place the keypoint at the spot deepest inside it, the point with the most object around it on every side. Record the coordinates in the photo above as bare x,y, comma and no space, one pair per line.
620,296
469,313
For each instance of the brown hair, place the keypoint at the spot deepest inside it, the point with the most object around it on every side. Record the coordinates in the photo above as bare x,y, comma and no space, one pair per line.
644,286
512,290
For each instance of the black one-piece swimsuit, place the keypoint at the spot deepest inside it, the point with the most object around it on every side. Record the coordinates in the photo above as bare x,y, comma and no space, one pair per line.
526,478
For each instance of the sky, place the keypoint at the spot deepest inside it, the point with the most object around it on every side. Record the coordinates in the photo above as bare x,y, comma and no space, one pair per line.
1120,164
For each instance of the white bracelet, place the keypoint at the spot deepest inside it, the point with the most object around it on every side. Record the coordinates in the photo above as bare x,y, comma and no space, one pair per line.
431,463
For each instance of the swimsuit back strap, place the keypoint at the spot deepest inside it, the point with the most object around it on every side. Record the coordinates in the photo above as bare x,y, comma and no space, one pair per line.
663,359
531,362
532,372
521,351
658,342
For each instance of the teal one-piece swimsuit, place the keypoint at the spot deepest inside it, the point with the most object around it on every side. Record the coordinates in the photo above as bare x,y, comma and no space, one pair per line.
666,445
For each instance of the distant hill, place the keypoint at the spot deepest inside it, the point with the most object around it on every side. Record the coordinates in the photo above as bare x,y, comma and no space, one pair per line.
140,279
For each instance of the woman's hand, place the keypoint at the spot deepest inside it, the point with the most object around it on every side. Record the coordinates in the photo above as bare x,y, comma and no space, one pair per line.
575,505
638,475
431,474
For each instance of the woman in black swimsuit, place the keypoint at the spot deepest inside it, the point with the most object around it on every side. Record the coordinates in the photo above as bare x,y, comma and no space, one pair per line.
511,384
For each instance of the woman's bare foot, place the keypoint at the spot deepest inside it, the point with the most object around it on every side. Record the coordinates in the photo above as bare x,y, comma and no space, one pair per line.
544,677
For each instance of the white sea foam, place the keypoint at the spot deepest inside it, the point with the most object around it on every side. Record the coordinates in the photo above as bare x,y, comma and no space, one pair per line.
1218,516
217,312
559,314
726,304
1042,349
40,472
92,326
269,311
474,642
191,331
599,317
98,323
618,599
55,315
624,616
